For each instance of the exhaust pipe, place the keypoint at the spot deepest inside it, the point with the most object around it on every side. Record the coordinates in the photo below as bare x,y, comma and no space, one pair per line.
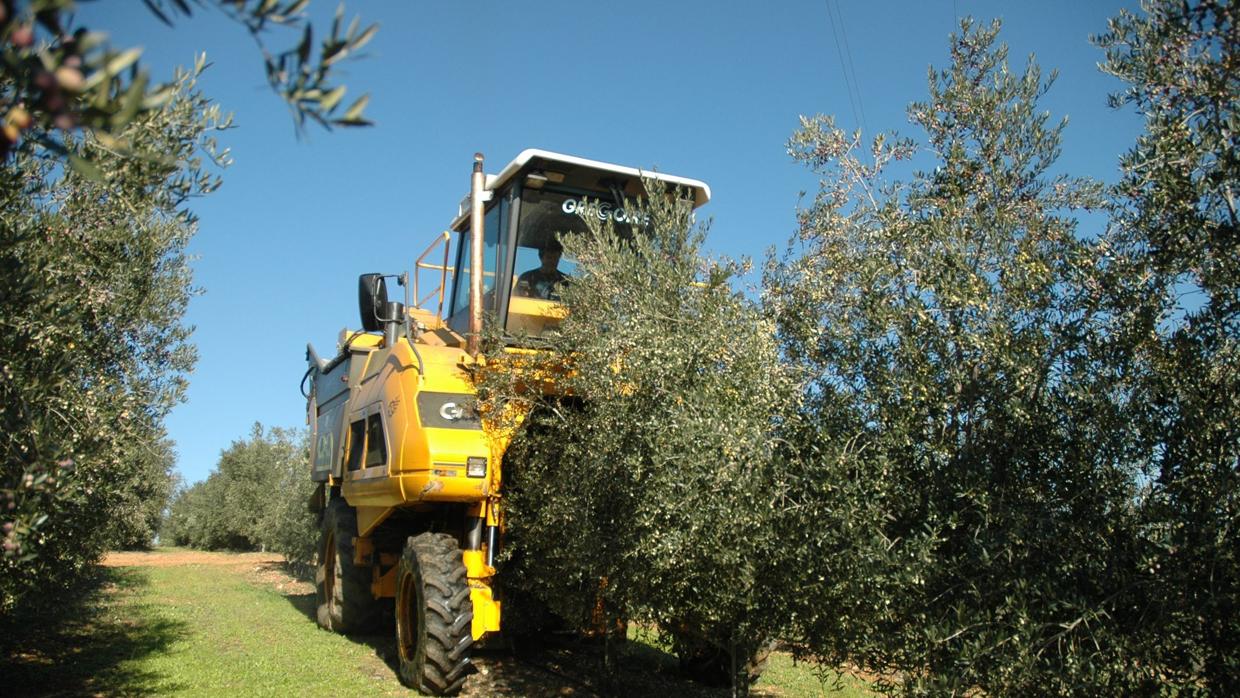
477,183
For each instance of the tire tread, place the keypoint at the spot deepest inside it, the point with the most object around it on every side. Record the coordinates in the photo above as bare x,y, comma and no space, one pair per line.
442,664
353,609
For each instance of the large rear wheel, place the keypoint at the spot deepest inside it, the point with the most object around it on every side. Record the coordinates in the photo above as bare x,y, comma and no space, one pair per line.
344,601
434,615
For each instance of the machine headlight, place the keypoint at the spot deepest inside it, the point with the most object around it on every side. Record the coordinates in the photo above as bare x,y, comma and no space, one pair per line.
476,466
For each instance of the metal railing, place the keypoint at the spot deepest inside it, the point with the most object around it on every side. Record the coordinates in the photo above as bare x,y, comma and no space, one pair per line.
421,264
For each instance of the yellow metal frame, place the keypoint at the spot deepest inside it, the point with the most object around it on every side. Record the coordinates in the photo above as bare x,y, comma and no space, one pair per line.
426,465
422,464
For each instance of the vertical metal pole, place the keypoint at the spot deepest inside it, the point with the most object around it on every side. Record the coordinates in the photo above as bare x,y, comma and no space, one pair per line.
492,543
443,271
475,257
390,328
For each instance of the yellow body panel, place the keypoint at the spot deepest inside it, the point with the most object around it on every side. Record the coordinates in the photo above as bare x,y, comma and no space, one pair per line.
486,610
486,607
425,464
534,315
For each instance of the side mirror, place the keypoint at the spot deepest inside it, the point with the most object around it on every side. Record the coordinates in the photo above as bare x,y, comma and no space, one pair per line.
372,301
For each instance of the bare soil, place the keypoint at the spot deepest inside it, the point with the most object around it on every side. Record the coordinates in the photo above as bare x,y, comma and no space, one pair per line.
180,557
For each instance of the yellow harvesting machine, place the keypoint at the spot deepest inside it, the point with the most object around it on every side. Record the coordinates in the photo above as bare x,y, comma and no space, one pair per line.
410,492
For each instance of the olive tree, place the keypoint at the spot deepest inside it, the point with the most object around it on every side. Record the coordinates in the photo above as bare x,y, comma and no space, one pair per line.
1172,287
256,498
973,496
145,492
93,351
642,483
57,76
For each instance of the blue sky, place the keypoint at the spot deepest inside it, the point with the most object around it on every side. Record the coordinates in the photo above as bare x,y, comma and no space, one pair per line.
709,90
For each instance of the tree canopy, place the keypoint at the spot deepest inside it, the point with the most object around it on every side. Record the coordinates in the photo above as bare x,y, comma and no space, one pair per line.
256,498
960,442
97,164
59,77
94,351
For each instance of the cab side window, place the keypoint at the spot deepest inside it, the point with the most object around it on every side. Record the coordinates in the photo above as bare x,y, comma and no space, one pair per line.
376,445
367,444
495,222
357,444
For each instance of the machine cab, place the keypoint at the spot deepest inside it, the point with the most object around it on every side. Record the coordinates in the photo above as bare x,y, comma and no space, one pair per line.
534,202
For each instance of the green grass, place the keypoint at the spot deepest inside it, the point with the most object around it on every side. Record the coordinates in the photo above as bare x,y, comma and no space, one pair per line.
192,631
783,677
212,630
245,639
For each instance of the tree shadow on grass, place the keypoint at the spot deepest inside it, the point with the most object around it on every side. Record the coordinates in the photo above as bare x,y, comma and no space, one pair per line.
569,664
551,665
86,641
555,665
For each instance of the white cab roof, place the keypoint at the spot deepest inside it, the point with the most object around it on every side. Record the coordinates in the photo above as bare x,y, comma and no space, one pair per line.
536,159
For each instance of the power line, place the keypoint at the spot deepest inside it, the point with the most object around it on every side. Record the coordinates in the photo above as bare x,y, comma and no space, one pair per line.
839,49
852,71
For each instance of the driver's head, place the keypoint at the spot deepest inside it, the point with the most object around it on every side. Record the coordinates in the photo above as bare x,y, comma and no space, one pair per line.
550,253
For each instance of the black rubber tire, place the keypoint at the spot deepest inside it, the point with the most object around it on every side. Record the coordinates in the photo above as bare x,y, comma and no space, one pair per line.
344,603
711,665
434,615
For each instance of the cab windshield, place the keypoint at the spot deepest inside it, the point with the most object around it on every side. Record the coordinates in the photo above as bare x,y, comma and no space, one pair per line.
547,217
540,268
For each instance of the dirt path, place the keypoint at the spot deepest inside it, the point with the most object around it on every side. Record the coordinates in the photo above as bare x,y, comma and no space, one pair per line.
178,557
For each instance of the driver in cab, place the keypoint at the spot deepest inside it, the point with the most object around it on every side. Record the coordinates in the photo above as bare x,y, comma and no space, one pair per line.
541,282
